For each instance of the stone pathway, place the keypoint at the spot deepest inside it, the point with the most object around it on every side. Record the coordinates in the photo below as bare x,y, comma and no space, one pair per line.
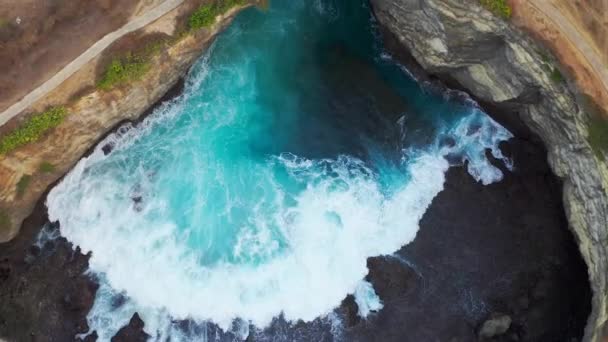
86,57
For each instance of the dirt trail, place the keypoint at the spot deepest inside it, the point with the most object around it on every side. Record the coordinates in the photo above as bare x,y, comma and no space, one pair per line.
576,37
86,57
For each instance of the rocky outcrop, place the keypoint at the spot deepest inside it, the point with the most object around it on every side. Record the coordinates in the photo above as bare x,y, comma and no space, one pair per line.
93,115
132,332
468,47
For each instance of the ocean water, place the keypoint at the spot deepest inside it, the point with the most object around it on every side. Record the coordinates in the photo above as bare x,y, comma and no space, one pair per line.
298,149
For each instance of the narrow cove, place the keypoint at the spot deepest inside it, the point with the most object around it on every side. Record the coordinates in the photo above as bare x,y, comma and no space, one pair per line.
298,150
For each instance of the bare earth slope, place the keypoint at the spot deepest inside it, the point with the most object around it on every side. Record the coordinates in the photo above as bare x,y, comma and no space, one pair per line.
576,31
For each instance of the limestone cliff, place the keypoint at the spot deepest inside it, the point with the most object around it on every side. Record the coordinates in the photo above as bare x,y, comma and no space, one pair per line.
92,115
462,43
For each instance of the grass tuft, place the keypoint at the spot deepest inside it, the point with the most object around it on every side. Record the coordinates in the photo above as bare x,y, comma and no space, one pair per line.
556,75
123,71
499,7
5,220
22,185
597,126
47,167
205,15
33,129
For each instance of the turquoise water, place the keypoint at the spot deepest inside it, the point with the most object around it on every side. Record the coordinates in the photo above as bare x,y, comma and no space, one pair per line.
298,149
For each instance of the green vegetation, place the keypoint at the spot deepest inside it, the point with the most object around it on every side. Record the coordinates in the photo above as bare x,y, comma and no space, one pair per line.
132,66
123,71
556,75
205,15
32,129
5,220
22,185
547,64
544,57
598,135
46,167
597,126
499,7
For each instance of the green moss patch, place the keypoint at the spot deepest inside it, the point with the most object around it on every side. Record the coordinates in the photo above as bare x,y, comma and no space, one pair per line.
205,15
46,167
5,220
32,129
598,136
22,185
556,75
499,7
597,126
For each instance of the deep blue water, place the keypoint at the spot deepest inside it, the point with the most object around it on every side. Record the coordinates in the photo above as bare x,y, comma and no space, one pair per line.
299,149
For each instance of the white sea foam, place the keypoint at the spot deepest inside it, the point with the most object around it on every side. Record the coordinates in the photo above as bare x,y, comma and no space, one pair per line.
341,217
339,220
325,261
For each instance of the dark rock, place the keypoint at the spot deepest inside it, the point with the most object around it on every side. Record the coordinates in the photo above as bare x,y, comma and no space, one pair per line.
350,311
79,296
469,48
46,298
92,337
481,249
107,148
132,332
391,278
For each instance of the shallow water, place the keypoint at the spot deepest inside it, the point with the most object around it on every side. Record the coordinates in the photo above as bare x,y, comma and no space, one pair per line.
298,149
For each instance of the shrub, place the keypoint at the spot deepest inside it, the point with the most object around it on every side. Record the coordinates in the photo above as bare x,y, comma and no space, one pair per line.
556,75
5,220
32,129
205,15
22,185
499,7
598,135
123,71
46,167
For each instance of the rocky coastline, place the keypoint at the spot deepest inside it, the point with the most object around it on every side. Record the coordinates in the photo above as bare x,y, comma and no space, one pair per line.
469,48
95,111
516,259
522,223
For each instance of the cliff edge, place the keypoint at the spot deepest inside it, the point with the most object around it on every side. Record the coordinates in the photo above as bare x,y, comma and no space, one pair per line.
467,46
117,85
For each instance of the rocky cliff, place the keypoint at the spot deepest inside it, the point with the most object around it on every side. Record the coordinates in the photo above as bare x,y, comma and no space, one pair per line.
467,46
93,112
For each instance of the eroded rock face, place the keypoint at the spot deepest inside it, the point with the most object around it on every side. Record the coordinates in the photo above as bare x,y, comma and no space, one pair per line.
89,119
461,43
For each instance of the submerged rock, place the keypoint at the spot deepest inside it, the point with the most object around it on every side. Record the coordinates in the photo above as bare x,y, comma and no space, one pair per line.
495,326
132,332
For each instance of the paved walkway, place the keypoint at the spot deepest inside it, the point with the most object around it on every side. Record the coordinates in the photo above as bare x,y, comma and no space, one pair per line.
86,57
575,37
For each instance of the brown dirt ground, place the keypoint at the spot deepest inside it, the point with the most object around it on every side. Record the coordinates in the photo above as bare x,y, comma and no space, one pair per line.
48,36
590,18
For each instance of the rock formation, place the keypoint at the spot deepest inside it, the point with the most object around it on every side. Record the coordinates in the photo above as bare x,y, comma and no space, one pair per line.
94,114
463,44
